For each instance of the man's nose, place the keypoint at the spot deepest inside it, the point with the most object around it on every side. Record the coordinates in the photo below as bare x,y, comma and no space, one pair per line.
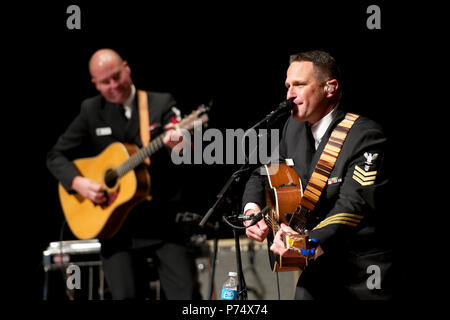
114,84
291,94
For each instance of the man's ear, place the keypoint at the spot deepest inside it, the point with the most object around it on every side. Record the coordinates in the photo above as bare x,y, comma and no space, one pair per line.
95,83
331,87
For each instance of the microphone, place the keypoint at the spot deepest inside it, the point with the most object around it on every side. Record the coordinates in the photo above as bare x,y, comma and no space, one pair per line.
284,108
255,217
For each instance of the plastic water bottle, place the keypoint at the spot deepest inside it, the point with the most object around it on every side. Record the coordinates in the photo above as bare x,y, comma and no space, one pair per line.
229,288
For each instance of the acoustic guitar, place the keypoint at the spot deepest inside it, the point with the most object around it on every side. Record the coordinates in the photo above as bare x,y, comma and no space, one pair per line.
125,180
283,195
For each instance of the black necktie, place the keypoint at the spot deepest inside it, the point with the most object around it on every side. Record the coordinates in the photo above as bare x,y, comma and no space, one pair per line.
311,144
122,111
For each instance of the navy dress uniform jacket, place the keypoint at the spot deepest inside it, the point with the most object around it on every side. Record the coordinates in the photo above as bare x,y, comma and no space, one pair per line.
101,123
350,219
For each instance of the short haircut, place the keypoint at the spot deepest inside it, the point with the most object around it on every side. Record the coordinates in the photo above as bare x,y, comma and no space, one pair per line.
325,66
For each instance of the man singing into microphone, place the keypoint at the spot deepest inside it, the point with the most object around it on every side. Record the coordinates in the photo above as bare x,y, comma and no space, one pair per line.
352,255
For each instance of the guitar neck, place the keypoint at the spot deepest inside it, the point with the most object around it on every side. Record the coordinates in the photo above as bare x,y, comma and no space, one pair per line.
139,157
298,220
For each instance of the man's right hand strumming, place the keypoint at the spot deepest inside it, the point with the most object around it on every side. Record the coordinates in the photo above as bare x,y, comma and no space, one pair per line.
88,189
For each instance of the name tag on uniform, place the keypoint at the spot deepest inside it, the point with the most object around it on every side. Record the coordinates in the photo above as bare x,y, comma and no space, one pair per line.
106,131
289,162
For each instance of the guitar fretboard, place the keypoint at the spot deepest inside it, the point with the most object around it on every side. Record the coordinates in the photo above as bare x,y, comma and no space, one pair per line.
197,116
298,220
139,157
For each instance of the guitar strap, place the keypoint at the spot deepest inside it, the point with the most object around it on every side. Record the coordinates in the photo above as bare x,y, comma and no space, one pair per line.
325,165
144,122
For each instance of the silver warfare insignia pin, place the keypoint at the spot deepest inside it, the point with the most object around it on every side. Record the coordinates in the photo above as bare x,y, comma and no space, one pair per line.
370,159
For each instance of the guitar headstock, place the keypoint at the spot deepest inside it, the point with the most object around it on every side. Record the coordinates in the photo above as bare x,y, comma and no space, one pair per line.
196,117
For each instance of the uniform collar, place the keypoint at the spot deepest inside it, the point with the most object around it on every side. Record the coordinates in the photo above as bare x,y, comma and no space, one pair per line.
128,104
320,127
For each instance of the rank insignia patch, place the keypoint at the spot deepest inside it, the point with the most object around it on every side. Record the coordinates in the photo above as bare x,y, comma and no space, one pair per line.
363,177
370,159
334,180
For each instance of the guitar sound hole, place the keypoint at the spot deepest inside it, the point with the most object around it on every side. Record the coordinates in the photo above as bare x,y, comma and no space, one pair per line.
110,178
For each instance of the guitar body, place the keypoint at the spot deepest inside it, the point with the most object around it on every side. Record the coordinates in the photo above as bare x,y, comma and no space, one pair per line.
88,220
120,170
283,196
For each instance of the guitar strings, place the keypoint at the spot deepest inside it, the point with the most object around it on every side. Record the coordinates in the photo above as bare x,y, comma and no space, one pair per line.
139,156
157,143
296,222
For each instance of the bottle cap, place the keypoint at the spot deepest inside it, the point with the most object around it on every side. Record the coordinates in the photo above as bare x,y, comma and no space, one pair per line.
232,274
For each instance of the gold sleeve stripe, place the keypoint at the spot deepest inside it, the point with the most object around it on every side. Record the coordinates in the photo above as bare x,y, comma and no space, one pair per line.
343,218
335,222
339,219
350,215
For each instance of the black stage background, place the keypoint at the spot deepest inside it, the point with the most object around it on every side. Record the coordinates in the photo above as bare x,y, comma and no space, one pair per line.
232,53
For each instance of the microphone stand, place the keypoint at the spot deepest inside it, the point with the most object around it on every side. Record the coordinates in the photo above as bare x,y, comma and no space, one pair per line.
235,177
267,121
283,109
